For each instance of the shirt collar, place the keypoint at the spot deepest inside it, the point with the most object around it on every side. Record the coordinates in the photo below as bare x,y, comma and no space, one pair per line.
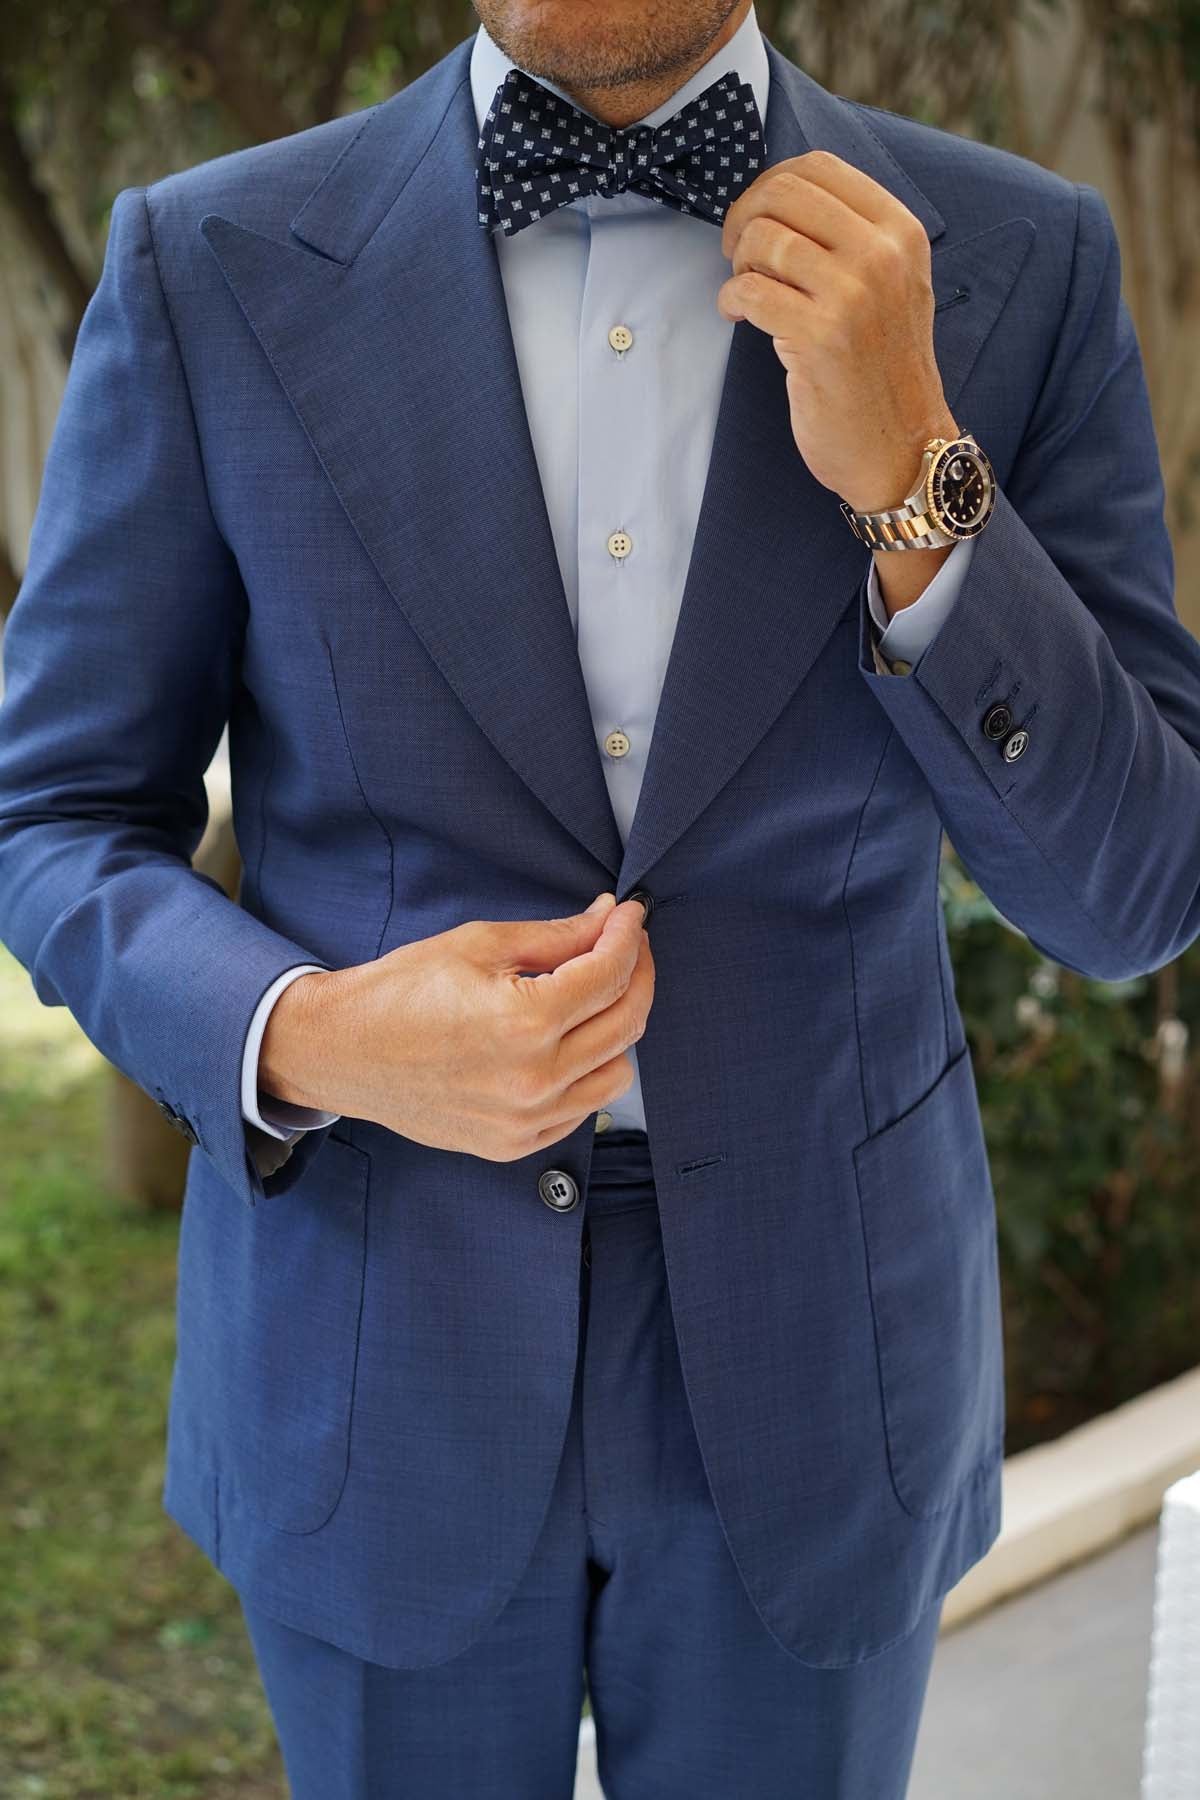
744,55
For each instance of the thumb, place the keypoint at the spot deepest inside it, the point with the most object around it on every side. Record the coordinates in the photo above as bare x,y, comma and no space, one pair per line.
539,945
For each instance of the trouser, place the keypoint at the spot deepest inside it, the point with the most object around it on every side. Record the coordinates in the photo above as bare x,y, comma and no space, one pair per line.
630,1584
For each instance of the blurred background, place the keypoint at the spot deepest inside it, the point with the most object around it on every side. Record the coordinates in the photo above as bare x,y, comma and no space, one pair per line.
124,1668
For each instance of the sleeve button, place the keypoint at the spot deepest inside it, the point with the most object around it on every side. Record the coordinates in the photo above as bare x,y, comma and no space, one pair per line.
1015,745
997,721
181,1124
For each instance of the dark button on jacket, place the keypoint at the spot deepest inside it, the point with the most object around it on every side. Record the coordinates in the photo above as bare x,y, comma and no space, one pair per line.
558,1189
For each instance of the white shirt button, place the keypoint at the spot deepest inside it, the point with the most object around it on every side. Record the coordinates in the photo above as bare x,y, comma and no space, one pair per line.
619,543
603,1121
620,337
616,743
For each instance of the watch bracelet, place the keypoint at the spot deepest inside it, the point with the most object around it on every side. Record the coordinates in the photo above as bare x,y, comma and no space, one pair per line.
908,530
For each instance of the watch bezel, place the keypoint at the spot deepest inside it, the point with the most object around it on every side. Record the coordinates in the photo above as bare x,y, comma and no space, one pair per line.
965,445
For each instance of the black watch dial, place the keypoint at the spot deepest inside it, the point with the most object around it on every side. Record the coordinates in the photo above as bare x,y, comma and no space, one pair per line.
962,489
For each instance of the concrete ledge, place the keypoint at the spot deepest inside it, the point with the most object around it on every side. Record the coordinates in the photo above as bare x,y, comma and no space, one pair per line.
1064,1501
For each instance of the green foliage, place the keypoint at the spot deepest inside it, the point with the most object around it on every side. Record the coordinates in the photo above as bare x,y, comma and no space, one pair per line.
110,94
124,1664
1095,1160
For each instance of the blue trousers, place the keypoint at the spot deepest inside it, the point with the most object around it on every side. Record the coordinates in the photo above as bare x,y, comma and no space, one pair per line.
631,1583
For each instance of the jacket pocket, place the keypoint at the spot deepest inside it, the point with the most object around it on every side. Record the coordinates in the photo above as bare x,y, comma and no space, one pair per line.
270,1301
929,1226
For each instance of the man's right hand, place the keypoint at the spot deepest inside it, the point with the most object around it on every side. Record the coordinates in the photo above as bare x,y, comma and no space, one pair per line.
446,1041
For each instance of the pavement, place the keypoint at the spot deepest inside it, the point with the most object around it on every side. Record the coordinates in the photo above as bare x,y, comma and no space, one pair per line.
1041,1697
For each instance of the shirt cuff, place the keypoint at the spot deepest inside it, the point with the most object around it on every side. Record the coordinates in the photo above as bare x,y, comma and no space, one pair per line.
903,638
278,1118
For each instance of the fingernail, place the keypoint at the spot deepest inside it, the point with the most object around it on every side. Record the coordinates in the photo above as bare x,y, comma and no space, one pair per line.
595,906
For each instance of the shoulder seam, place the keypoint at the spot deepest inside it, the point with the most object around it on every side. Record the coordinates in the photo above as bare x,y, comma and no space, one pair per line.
187,386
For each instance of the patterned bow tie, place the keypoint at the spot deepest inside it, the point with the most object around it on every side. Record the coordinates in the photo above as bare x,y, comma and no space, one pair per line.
537,152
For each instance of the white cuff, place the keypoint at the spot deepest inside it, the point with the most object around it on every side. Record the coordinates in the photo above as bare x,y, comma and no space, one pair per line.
914,627
278,1118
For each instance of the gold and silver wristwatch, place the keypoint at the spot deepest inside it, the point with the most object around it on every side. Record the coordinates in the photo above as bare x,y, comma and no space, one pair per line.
953,499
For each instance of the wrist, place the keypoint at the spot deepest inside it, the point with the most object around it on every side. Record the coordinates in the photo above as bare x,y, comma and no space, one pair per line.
293,1055
904,577
898,478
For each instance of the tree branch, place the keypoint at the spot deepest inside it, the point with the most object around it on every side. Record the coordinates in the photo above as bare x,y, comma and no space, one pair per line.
1048,149
357,32
32,208
225,44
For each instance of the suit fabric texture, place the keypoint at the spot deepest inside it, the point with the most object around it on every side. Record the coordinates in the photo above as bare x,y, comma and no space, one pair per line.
311,508
631,1577
621,433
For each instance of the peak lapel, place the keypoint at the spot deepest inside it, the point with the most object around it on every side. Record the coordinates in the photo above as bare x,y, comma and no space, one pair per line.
385,321
774,565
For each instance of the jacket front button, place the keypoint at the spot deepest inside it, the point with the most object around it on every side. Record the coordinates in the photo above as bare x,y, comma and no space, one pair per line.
1015,745
558,1189
997,721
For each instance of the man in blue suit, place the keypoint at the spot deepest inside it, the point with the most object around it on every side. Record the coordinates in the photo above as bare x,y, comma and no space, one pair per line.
518,466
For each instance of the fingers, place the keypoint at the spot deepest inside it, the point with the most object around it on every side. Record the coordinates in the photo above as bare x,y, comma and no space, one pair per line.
610,1031
537,945
817,193
600,1087
587,983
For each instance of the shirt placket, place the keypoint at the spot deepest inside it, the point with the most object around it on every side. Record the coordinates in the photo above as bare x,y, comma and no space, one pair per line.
618,555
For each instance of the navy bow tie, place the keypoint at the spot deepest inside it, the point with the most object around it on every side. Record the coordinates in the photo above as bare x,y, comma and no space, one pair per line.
537,152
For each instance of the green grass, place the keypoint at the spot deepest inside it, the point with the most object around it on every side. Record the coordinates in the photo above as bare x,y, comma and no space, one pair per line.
125,1669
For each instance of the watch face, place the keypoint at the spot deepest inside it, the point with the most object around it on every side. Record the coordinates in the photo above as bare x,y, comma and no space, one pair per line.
961,488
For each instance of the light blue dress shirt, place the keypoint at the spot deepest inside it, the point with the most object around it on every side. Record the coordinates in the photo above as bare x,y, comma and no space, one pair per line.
621,353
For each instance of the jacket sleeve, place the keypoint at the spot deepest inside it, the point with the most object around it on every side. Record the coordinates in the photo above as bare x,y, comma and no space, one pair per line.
1056,713
121,654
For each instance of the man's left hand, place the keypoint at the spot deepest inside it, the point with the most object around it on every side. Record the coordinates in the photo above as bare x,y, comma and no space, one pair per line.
837,270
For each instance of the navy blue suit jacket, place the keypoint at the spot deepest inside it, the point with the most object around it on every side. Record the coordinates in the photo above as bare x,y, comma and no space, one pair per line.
291,485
